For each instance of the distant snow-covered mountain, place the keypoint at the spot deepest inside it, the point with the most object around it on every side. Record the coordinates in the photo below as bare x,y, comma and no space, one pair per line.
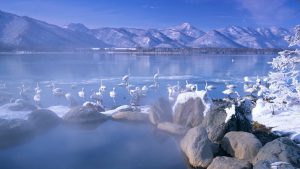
257,37
21,32
214,39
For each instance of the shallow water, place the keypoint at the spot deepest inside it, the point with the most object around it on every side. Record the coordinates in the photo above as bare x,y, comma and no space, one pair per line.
112,144
86,70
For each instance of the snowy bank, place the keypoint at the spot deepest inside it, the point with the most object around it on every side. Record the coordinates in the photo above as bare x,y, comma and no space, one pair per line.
286,121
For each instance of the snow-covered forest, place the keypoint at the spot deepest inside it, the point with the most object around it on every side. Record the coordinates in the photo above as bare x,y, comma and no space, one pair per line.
279,93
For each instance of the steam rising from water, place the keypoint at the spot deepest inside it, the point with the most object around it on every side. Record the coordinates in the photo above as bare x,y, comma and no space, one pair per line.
112,144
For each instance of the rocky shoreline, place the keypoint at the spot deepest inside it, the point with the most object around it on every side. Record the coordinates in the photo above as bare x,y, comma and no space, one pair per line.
213,134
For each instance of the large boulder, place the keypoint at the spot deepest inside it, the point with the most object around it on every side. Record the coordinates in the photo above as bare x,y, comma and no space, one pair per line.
160,111
241,145
84,114
214,121
43,119
281,149
197,147
13,132
188,109
240,121
172,128
21,105
130,114
229,163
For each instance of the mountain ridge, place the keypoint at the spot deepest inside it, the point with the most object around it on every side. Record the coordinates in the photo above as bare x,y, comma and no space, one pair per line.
26,33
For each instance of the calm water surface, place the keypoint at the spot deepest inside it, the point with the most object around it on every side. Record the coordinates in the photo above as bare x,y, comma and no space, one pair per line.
112,145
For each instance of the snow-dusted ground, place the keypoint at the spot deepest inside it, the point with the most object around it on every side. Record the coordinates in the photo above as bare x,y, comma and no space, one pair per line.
287,121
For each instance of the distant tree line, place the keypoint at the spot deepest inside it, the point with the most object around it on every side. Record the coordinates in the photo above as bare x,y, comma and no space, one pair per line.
190,51
154,51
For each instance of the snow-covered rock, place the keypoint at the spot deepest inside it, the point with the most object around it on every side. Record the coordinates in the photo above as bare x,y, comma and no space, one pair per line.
84,115
190,108
130,114
6,113
59,110
281,149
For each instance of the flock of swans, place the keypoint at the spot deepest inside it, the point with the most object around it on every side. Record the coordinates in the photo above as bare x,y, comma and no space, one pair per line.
137,92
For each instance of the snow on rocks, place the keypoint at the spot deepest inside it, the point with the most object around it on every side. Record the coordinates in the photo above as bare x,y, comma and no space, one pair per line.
130,114
230,112
186,96
190,108
281,149
84,115
59,110
6,113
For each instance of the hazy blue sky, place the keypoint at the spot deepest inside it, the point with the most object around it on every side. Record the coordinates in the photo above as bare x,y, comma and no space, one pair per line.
205,14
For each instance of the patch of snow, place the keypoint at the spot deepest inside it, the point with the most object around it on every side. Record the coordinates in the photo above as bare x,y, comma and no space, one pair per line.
144,109
59,110
110,112
229,111
8,114
286,121
277,164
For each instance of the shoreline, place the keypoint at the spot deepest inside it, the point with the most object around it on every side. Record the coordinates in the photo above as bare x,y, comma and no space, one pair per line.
154,51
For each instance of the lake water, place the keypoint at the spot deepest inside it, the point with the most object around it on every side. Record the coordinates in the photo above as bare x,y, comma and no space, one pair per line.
112,144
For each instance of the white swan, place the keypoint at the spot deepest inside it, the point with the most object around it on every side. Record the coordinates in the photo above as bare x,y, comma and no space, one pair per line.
155,77
102,87
37,88
57,91
209,87
81,93
113,94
